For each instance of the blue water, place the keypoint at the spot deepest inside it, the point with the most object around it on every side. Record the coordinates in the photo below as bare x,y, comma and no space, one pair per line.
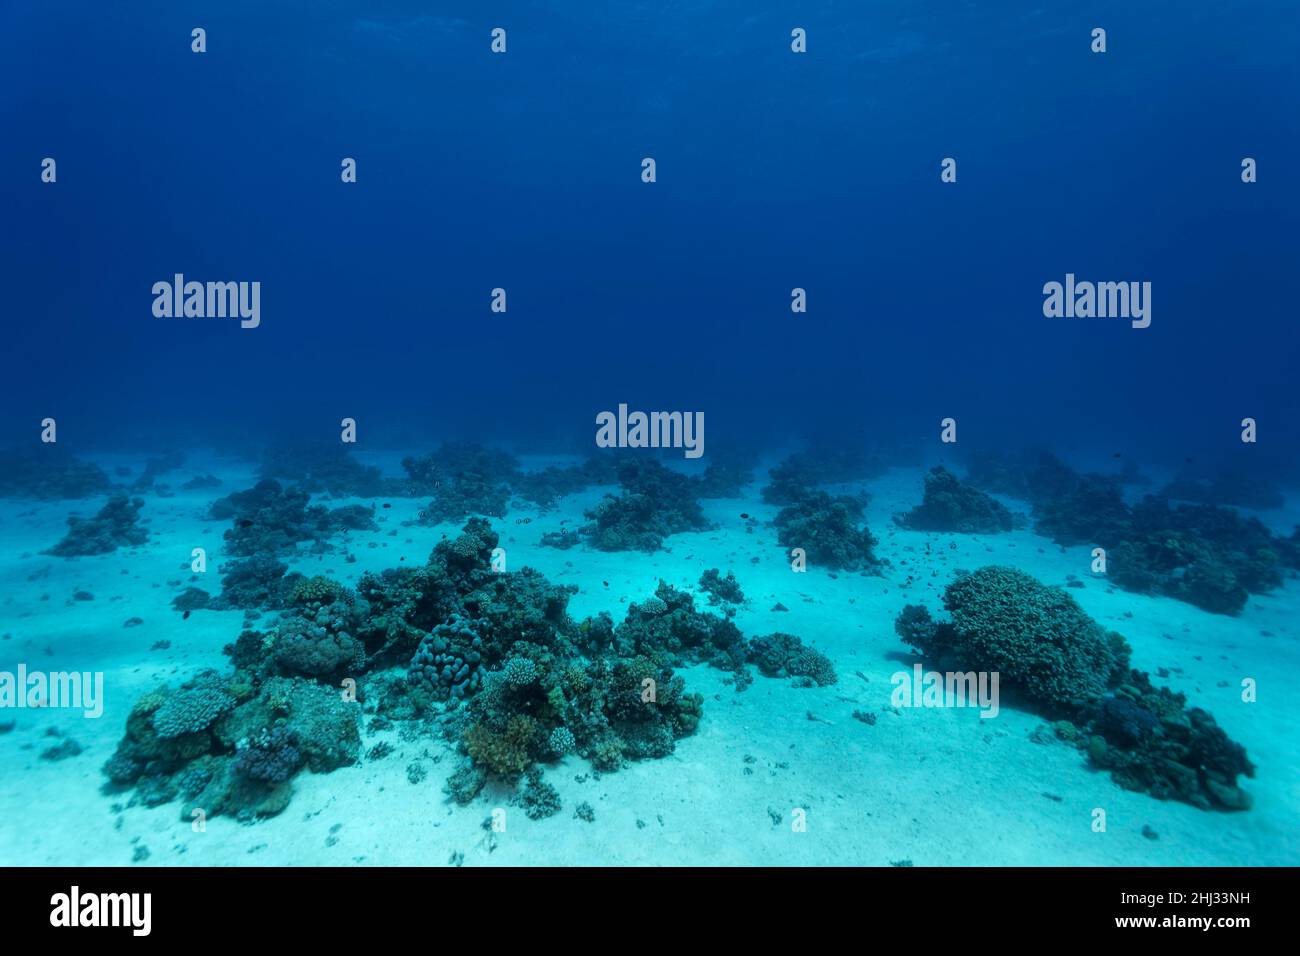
774,171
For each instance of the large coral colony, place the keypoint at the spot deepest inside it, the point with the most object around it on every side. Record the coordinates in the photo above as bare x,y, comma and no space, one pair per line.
492,661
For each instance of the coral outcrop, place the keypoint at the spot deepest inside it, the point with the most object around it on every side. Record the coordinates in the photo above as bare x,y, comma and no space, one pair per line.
116,525
951,506
1060,662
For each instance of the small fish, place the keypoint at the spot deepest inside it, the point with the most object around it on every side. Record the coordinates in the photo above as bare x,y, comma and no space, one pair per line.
245,522
387,505
1117,455
745,516
606,583
185,616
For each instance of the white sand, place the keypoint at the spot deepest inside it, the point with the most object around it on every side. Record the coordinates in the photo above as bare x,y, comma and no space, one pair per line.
933,786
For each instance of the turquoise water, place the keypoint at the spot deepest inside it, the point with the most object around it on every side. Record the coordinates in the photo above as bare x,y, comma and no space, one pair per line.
330,532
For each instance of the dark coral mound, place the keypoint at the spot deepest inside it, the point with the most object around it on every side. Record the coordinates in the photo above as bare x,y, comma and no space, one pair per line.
257,582
1034,635
466,494
463,479
116,525
820,464
951,506
655,502
1064,665
784,655
1230,488
201,482
49,473
546,487
826,528
721,590
1151,742
1000,473
1205,555
562,540
1089,509
270,519
156,467
322,468
727,475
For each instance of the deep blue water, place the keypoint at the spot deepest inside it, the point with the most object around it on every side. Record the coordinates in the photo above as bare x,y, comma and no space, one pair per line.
775,170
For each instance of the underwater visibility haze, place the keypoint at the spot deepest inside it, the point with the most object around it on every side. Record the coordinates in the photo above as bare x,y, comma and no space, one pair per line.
733,433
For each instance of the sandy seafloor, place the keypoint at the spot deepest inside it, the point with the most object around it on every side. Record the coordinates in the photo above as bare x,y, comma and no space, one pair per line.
929,786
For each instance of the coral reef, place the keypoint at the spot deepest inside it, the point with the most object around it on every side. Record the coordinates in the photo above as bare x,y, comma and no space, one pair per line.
1204,554
464,479
270,519
655,503
784,655
224,747
49,474
1089,510
257,582
668,627
192,599
156,467
727,475
1036,636
820,464
826,528
1230,488
114,526
191,709
491,660
270,757
1063,664
1150,741
546,487
538,798
999,473
719,589
562,540
322,467
950,506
